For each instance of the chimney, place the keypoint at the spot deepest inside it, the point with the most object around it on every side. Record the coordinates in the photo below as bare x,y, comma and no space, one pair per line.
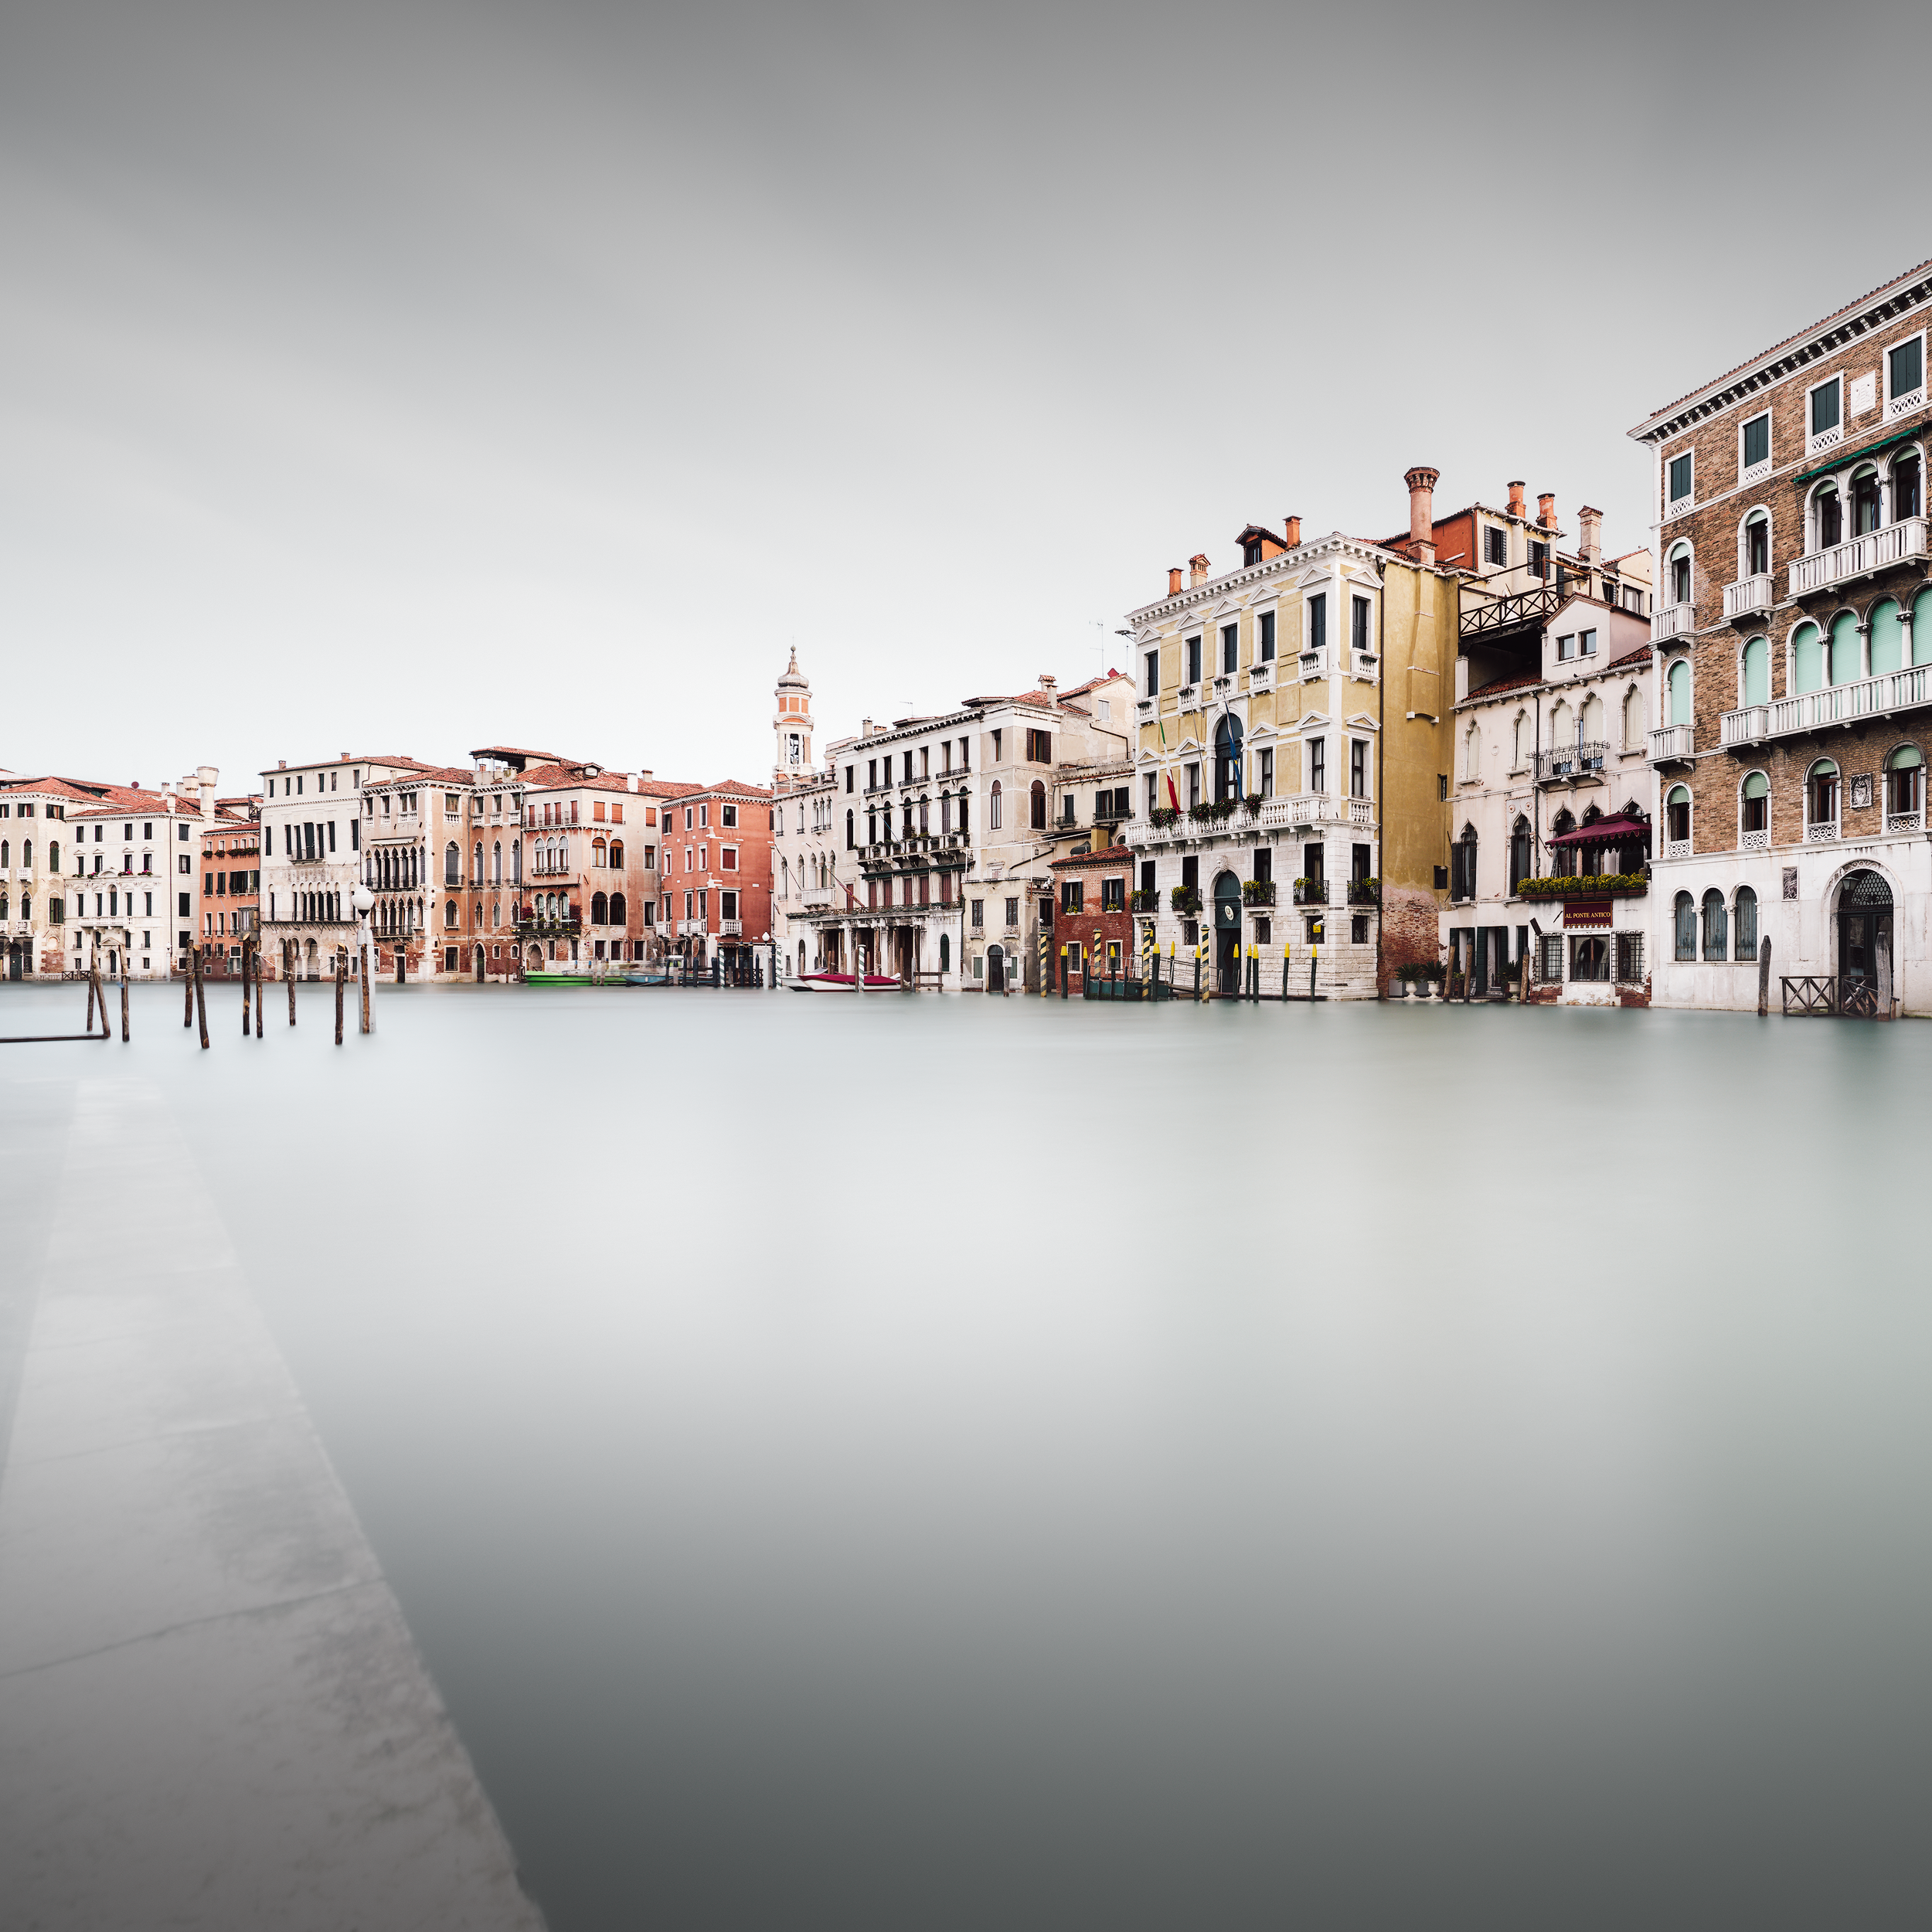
644,772
1292,531
1048,684
1547,510
1517,506
1174,581
206,775
630,781
1591,523
865,727
1422,501
1197,568
281,765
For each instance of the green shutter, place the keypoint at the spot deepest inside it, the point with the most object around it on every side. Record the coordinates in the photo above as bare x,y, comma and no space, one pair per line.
1888,638
1757,672
1845,648
1922,627
1808,658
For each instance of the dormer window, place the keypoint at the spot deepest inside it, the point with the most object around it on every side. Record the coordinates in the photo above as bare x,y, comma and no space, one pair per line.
1251,551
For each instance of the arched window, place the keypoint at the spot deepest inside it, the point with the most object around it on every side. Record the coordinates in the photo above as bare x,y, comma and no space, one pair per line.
1472,751
1685,910
1887,636
1633,721
945,952
616,855
1590,722
599,908
1864,502
1757,557
1821,797
1716,928
1519,734
1038,820
1462,865
452,864
848,841
1827,518
1677,815
496,863
1679,568
1843,649
992,807
449,914
1561,730
476,865
598,854
53,845
1227,758
1904,788
1906,486
1807,659
1755,815
1680,692
1519,859
620,912
1755,682
6,855
1744,924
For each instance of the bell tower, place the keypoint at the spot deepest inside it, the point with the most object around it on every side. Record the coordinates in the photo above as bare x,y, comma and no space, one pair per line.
791,724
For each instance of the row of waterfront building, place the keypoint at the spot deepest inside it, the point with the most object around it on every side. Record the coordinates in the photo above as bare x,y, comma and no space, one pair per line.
1479,745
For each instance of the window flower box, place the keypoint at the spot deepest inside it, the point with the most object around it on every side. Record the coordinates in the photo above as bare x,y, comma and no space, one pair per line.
1185,898
1257,892
1146,901
1608,884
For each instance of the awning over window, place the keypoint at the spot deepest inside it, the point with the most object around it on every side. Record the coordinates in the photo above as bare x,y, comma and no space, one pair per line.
1605,832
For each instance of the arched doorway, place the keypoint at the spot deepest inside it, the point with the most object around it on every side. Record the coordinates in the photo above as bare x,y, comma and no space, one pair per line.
1864,944
310,958
478,956
1227,933
945,952
995,969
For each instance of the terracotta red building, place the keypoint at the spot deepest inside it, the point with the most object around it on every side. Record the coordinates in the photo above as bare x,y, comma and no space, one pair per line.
714,886
1092,930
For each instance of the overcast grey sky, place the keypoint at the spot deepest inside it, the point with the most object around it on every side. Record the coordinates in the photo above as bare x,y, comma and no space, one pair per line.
413,377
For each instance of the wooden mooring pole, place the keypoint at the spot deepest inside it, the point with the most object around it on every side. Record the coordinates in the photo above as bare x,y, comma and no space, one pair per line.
125,1035
288,974
1764,977
90,1004
367,962
187,992
201,998
342,976
100,993
247,949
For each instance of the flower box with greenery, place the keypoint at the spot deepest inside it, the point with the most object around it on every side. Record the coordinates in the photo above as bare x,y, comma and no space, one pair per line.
1212,810
1310,892
1163,816
1602,885
1365,891
1257,892
1147,900
1253,801
1185,898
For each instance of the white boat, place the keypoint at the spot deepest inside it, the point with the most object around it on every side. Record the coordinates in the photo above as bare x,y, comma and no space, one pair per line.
839,983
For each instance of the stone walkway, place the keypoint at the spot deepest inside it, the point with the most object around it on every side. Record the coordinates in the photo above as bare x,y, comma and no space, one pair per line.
212,1714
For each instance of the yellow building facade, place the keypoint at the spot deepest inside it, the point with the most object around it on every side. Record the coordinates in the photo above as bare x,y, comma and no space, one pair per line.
1294,733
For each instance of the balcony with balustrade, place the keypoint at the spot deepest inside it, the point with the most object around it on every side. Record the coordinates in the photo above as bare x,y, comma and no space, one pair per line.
1671,744
1673,620
1860,556
1564,764
1837,704
1261,676
1314,808
1748,597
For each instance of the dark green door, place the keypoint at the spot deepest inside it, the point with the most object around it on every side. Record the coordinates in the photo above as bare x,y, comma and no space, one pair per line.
1227,933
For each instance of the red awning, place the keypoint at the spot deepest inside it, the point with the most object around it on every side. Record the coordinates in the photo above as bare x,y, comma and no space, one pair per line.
1604,831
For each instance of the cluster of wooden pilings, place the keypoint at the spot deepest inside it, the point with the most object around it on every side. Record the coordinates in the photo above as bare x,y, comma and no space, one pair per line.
196,1006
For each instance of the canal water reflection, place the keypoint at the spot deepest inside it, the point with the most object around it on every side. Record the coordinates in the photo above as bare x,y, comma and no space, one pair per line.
923,1462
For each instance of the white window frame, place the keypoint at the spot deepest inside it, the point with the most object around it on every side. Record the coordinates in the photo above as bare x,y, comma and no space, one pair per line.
1747,477
1825,439
1762,839
1565,646
1677,506
1912,399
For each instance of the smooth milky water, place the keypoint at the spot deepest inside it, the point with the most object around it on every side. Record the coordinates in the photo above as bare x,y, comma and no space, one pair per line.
923,1462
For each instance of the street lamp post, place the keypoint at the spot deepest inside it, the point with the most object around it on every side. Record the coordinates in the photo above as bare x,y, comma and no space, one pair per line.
364,900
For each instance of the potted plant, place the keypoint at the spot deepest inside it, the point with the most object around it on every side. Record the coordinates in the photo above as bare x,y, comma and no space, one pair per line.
1257,892
1185,898
1253,801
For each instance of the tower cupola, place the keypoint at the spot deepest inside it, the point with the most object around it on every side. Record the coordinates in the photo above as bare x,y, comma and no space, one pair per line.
792,723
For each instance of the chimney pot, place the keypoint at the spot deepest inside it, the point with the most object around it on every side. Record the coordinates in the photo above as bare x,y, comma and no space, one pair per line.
1517,506
1197,567
1422,498
1174,581
1547,510
1590,524
1292,531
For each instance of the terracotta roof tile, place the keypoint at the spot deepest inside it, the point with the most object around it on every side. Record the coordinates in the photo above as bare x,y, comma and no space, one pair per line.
1116,856
1639,655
